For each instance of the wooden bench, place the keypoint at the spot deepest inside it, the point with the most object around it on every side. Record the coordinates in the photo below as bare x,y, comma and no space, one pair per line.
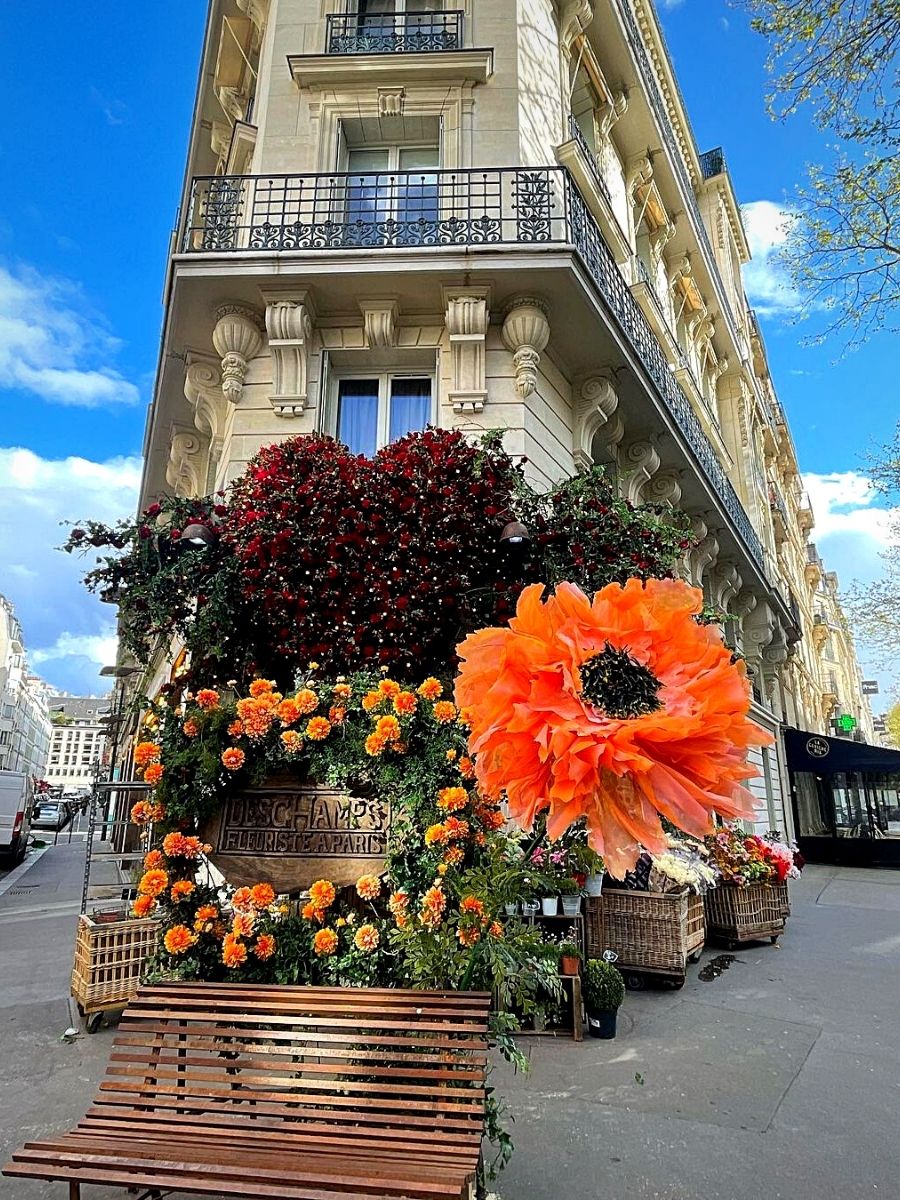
294,1093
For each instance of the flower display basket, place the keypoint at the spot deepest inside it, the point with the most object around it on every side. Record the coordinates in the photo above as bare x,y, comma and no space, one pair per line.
652,933
747,914
109,962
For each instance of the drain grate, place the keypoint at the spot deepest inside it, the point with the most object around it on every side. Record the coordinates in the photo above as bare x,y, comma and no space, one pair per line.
24,890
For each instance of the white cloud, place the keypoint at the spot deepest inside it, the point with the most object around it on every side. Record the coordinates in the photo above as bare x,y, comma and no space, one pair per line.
52,345
68,633
766,280
670,4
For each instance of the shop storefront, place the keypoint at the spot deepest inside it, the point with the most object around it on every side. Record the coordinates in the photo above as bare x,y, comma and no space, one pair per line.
846,799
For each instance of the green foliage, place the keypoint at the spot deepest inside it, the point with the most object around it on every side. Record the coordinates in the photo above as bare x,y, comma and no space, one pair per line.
604,989
839,59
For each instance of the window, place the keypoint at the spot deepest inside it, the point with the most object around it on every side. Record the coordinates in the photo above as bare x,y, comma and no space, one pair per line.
374,410
392,183
408,15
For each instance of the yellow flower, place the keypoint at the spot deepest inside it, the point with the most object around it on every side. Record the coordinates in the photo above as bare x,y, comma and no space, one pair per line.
387,728
435,835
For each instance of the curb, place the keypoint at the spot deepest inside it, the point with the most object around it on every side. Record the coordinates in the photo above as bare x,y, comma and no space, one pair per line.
16,874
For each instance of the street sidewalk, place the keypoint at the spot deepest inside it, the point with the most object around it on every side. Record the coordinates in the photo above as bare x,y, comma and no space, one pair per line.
778,1079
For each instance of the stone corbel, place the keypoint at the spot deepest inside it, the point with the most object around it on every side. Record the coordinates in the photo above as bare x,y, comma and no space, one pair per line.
703,553
682,270
233,101
526,332
726,585
721,367
203,392
391,101
664,488
595,403
257,11
574,18
237,337
659,239
640,173
220,139
609,114
186,468
380,323
467,317
290,317
638,462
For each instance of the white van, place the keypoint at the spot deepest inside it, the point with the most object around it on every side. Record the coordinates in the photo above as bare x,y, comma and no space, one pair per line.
16,803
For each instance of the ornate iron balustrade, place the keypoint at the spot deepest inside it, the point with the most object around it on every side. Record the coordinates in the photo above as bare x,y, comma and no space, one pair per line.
508,206
636,41
393,33
577,135
712,162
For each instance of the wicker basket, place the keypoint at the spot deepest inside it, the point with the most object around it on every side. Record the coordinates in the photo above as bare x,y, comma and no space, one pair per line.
653,932
109,961
747,914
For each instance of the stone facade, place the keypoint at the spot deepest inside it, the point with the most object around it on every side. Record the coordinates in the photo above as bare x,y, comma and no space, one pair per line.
504,200
78,742
24,720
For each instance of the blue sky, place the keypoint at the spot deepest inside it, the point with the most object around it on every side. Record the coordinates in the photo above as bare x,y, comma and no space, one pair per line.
94,166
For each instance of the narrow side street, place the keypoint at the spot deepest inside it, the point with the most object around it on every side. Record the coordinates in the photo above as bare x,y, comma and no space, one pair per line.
779,1078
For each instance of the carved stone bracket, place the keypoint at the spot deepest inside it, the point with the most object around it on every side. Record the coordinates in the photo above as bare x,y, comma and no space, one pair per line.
526,332
595,403
237,338
290,317
639,463
660,237
380,323
726,584
664,488
703,555
640,173
467,317
391,101
257,11
609,114
574,18
186,468
203,392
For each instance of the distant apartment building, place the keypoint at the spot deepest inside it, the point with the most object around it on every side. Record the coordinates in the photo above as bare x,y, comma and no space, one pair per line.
78,744
24,718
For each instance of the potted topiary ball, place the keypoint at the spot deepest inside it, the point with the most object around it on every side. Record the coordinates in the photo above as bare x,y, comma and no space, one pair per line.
604,992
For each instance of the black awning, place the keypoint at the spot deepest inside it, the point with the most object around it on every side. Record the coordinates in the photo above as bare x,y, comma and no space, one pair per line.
828,755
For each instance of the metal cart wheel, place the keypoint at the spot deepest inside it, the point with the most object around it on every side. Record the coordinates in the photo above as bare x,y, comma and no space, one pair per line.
696,956
634,981
675,982
774,938
94,1022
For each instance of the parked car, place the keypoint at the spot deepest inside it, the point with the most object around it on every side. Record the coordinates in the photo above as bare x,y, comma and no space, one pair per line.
52,814
16,803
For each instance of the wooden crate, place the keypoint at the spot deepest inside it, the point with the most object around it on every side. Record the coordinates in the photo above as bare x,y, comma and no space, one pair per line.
109,961
654,932
747,914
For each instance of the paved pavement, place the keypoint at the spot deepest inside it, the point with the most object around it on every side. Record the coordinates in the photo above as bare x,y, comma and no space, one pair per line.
778,1079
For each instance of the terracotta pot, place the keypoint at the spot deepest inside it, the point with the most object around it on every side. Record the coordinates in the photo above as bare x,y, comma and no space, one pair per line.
569,964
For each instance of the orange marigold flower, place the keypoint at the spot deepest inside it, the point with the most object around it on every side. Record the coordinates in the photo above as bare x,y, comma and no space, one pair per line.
444,712
491,818
143,906
451,756
318,729
368,887
236,728
145,812
387,728
431,689
399,901
179,939
241,899
154,861
242,925
388,688
553,734
190,728
265,946
452,799
456,829
472,905
203,917
146,752
256,718
342,691
371,700
207,699
337,714
309,912
433,904
405,704
400,920
469,937
234,953
366,938
466,767
325,942
322,893
495,929
153,883
233,759
307,701
262,895
435,835
181,889
375,745
177,845
288,711
261,687
292,741
153,773
454,856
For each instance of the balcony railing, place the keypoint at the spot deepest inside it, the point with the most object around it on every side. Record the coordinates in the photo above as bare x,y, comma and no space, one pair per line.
393,33
712,162
473,209
577,135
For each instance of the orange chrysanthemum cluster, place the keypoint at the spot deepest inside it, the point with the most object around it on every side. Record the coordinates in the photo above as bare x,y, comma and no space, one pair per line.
154,773
146,812
178,845
207,699
617,710
433,907
146,753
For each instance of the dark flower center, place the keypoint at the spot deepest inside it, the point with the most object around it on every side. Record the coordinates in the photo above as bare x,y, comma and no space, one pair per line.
618,685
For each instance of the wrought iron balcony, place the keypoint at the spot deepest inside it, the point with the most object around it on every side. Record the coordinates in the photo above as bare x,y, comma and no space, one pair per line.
394,33
712,162
529,207
577,135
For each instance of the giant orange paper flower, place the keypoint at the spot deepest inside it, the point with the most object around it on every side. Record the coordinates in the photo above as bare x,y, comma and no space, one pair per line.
617,711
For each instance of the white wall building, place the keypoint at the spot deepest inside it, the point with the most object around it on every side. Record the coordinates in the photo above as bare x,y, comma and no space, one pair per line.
24,718
78,740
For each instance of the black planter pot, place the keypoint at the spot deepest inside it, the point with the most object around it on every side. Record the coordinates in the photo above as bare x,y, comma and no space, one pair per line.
602,1024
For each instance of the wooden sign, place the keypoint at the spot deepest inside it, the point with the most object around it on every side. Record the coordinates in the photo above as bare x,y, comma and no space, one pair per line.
291,833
